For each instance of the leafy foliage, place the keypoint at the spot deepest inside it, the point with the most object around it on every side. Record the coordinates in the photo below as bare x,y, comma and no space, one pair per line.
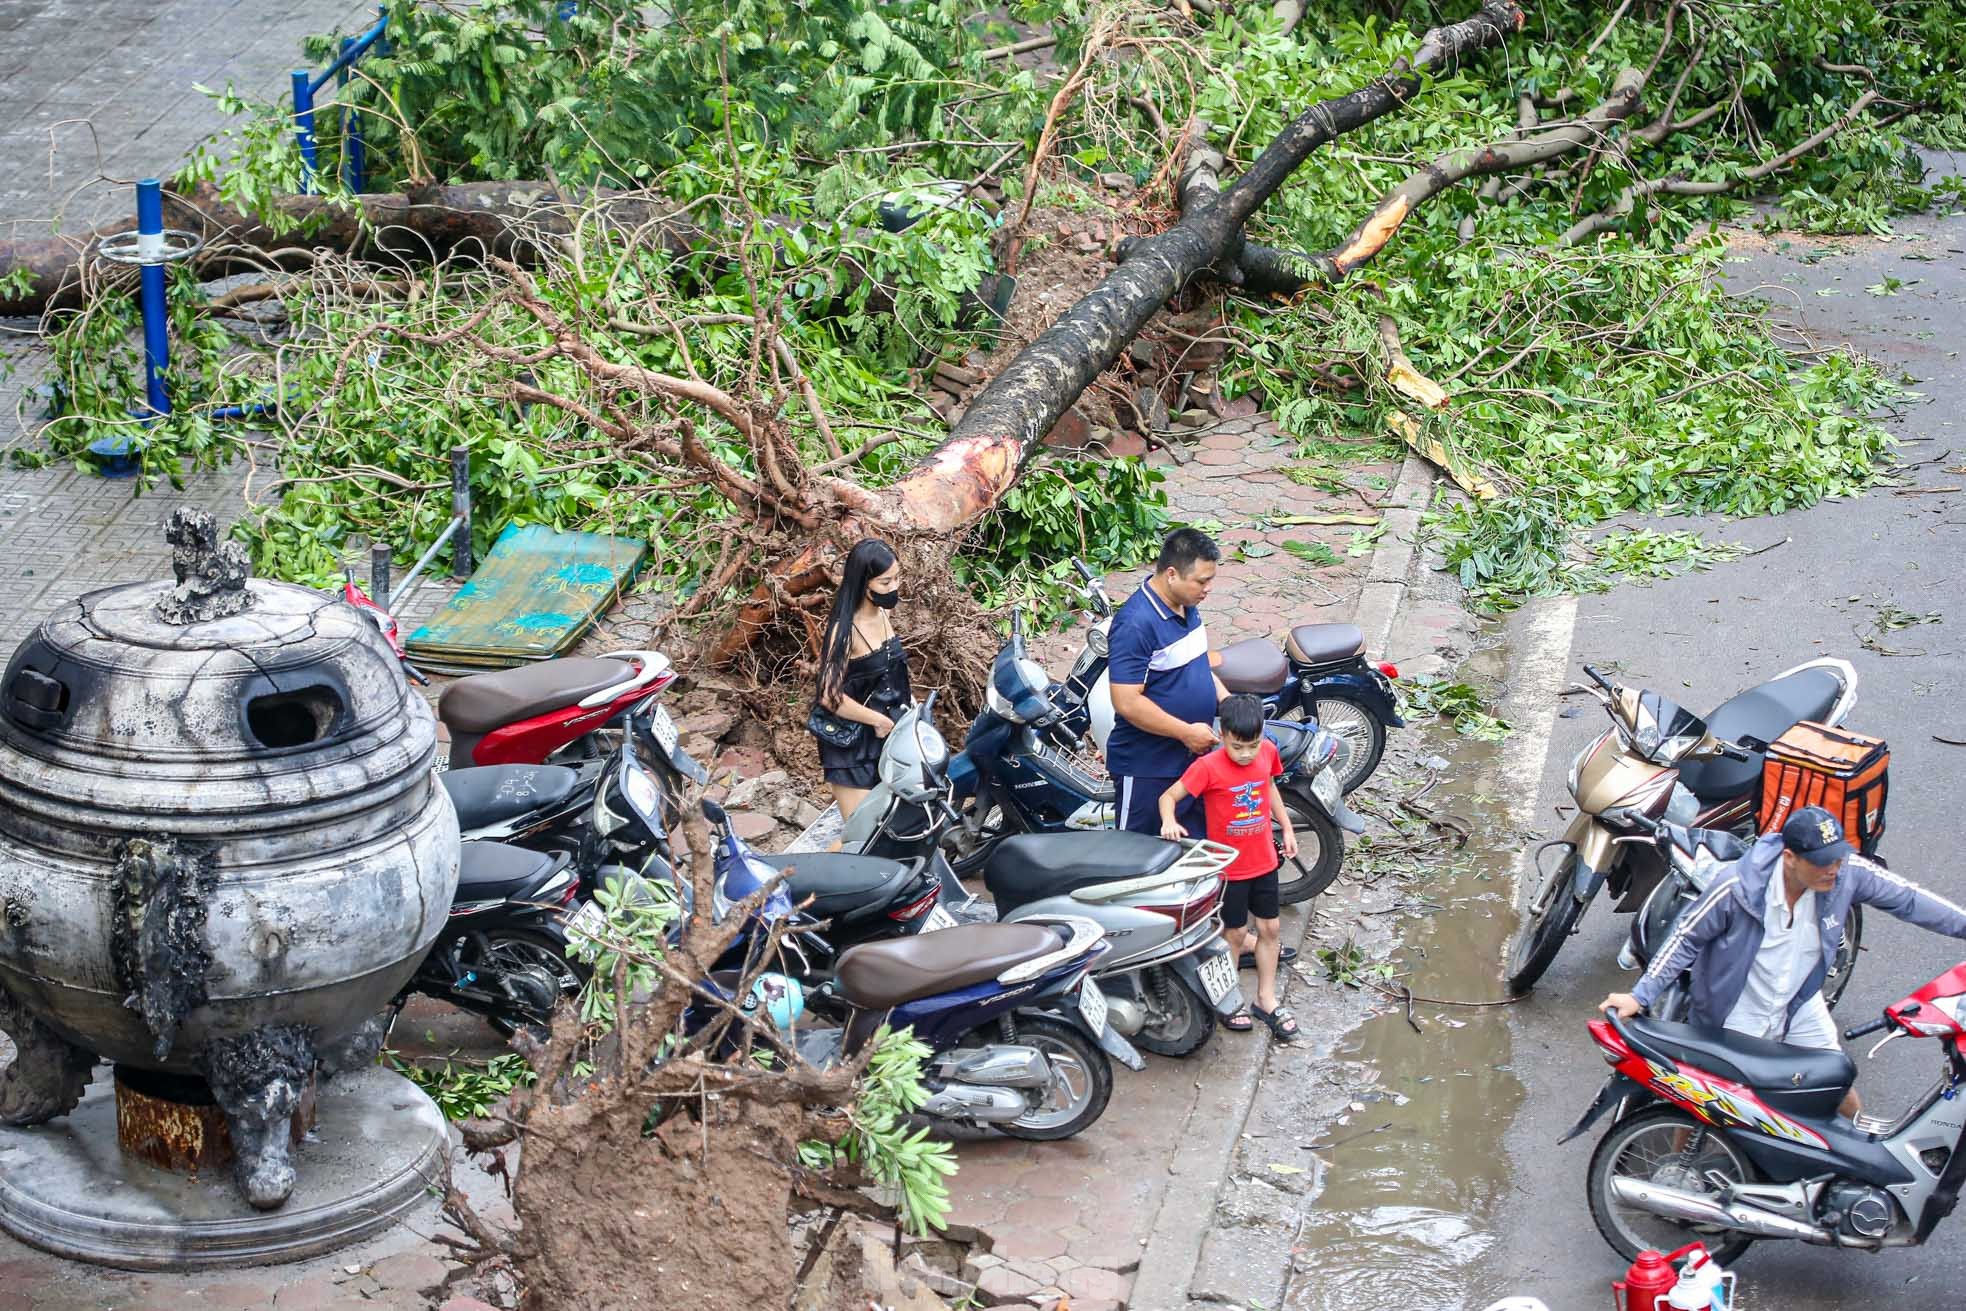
464,1089
1457,703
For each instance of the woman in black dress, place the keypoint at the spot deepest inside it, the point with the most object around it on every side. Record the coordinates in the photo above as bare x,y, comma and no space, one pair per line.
863,672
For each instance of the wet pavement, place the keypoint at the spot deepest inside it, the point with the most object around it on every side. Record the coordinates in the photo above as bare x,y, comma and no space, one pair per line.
1703,637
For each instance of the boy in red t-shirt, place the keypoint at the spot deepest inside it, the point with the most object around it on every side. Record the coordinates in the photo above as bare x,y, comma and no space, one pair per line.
1237,784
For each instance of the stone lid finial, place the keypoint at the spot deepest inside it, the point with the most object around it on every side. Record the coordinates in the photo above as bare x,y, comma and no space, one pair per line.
211,575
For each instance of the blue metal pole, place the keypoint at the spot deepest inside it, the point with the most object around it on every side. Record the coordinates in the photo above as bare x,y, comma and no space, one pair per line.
353,163
304,127
156,319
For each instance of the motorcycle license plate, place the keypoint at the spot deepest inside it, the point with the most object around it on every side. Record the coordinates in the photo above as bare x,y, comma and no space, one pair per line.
938,918
584,927
1092,1006
664,729
1218,976
1324,786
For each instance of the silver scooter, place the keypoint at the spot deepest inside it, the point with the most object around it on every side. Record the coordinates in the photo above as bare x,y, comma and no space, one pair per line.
1169,972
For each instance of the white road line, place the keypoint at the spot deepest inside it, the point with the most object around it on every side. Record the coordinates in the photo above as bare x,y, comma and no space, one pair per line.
1539,670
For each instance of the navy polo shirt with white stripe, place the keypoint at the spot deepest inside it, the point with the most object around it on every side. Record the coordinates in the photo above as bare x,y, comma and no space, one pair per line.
1167,655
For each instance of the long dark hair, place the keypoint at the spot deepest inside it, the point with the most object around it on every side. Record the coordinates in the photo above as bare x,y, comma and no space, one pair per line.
868,560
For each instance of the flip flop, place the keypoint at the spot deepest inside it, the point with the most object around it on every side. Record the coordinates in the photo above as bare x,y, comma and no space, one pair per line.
1239,1022
1282,1023
1247,961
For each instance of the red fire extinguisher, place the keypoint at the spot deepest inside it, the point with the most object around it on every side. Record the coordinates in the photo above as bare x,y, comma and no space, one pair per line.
1650,1278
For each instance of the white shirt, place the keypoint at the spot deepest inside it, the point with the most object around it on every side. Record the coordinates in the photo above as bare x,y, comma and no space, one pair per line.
1790,946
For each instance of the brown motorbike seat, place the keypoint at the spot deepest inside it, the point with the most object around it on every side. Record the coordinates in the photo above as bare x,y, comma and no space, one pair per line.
1254,666
1325,644
482,702
879,975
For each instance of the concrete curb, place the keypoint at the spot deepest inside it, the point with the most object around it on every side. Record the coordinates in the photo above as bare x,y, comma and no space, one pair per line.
1215,1122
1392,560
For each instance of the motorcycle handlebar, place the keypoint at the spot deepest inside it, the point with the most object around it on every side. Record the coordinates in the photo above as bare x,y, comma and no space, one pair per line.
1857,1031
1732,752
1085,570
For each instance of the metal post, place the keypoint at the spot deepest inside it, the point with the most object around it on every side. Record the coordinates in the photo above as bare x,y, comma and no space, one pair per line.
379,560
462,562
304,127
156,319
354,162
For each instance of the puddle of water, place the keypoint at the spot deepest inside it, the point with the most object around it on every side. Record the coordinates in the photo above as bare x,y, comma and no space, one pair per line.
1413,1180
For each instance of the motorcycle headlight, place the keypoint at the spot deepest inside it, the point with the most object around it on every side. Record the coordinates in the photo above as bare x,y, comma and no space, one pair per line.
1095,640
642,795
999,705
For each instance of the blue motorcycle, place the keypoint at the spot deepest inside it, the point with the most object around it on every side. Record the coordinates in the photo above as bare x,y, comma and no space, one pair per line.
1321,676
1025,769
1019,1033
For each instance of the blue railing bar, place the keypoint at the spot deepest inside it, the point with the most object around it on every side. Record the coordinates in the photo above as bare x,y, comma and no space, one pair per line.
353,49
304,129
354,160
156,325
243,411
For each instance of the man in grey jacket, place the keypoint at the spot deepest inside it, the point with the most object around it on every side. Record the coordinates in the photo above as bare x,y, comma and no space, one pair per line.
1761,937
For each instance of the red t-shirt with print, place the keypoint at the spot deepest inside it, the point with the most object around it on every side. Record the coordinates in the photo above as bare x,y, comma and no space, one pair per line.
1236,799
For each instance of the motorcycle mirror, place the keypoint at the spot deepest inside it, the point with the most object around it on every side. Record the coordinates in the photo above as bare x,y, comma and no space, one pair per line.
715,813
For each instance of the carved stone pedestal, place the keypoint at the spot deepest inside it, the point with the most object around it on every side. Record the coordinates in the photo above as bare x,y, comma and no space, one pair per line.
378,1154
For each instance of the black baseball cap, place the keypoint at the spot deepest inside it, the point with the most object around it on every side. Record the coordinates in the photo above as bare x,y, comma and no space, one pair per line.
1813,834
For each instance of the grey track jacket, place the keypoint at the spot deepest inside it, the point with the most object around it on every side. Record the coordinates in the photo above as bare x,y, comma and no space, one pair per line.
1719,934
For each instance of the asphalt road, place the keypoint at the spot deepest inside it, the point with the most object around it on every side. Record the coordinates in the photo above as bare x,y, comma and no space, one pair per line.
1702,637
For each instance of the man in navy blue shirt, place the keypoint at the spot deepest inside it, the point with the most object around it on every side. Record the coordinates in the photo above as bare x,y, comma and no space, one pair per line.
1164,690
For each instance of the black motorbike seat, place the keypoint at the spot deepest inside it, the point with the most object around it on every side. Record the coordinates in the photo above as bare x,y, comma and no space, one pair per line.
1793,1080
1032,866
482,702
841,883
1764,712
1718,841
1254,666
879,975
1325,644
490,794
495,871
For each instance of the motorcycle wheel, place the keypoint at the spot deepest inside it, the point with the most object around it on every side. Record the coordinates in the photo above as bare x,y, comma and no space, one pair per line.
1553,914
1179,1019
968,855
1361,736
1081,1081
539,956
1844,967
1320,851
1664,1145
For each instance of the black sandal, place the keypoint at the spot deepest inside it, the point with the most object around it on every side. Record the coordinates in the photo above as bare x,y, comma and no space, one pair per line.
1239,1022
1282,1023
1247,961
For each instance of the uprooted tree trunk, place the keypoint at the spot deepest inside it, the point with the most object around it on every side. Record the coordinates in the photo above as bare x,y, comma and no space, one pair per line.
980,460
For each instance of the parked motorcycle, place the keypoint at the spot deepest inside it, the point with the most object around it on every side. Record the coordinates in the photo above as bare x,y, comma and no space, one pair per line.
1019,1034
547,711
1693,857
502,953
1169,972
1321,676
1021,772
1658,761
1732,1139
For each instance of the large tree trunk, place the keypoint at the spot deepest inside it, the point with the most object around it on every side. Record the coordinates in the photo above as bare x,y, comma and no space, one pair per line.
504,219
966,474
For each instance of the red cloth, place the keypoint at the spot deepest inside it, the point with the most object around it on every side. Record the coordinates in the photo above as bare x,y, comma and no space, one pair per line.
1236,799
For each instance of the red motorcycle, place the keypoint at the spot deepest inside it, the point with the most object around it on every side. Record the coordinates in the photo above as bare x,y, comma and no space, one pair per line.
524,716
528,715
1729,1139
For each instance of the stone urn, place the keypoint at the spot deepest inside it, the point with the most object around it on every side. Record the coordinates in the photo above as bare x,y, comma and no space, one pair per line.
222,851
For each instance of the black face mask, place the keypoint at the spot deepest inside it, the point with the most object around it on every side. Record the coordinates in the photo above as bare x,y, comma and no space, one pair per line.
885,600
